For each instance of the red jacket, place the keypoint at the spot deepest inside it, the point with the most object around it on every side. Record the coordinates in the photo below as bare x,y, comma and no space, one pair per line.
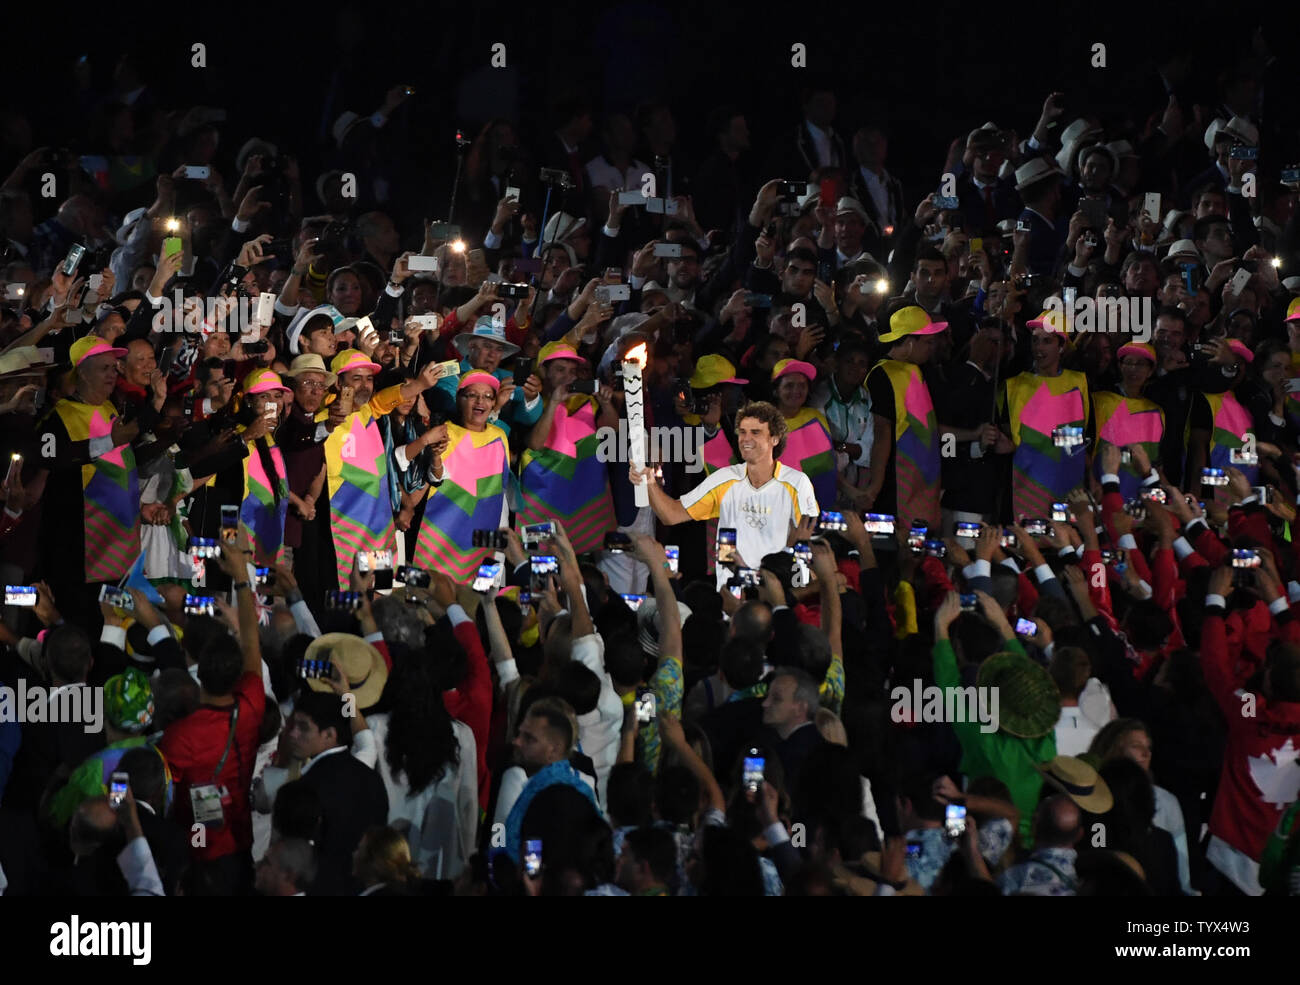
1261,772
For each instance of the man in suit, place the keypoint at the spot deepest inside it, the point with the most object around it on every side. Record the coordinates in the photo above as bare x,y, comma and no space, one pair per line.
984,198
974,474
815,143
789,708
880,193
353,797
169,843
724,184
1039,183
48,746
566,148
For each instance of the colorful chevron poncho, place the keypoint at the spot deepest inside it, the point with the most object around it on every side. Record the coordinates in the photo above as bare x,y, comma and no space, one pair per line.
1041,472
565,480
808,448
1231,422
361,515
1128,421
110,488
472,496
916,446
265,503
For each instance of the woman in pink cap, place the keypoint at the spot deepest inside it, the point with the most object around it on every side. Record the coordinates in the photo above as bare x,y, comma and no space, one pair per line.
808,444
560,475
1125,417
265,500
471,479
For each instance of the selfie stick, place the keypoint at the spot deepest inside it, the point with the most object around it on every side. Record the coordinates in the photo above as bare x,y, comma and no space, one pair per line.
462,145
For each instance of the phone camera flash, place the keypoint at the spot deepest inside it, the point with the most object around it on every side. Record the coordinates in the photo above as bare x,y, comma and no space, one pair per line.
882,286
458,246
173,225
1276,261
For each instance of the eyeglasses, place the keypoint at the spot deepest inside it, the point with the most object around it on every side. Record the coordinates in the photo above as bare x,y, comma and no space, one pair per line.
312,386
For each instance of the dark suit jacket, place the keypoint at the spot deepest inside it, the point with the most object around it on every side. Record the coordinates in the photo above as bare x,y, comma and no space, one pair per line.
795,750
170,846
1045,241
794,155
894,189
1006,205
353,798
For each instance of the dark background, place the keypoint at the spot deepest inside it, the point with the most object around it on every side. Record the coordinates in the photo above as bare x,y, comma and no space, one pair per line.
927,73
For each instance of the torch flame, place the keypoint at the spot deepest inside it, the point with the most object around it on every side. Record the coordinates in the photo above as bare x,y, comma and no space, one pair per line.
636,354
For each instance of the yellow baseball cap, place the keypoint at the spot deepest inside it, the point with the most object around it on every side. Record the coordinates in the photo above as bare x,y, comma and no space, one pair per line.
714,370
912,320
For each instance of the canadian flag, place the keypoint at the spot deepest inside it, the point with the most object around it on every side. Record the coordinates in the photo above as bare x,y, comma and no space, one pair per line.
1277,774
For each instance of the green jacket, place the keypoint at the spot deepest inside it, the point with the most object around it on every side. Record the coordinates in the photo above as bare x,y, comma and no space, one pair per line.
998,754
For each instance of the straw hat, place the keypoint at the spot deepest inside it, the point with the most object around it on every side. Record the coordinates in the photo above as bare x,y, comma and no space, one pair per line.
1078,781
361,664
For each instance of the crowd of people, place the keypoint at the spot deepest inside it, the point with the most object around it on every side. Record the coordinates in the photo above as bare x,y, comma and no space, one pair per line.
319,496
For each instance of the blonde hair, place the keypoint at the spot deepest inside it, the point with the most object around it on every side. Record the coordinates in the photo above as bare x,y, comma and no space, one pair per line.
385,856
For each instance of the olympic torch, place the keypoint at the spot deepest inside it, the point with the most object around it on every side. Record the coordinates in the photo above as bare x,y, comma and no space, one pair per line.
633,363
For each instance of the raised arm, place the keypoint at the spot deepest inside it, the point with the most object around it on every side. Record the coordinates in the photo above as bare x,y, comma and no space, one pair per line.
669,510
235,564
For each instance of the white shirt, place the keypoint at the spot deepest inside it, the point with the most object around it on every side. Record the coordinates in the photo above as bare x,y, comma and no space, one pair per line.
599,731
761,517
441,821
602,174
1074,733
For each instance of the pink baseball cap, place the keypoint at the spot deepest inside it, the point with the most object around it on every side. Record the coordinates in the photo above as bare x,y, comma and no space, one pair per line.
478,376
787,366
1139,349
350,359
93,345
262,380
560,350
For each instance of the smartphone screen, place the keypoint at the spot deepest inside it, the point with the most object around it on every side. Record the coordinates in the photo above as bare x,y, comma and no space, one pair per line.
753,768
1026,627
535,533
542,565
954,820
533,857
617,543
645,705
1242,558
967,531
486,578
726,545
117,785
831,520
634,602
671,554
969,602
229,523
24,595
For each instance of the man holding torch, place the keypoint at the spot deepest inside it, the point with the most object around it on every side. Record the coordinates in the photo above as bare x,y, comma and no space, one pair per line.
760,499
